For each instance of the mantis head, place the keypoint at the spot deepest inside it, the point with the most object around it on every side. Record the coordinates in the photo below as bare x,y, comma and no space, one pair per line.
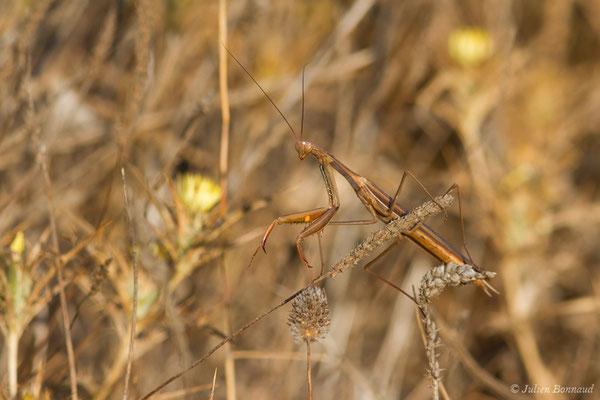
303,148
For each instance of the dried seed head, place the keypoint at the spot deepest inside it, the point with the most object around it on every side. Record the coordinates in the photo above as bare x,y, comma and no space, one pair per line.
99,275
439,278
432,344
309,318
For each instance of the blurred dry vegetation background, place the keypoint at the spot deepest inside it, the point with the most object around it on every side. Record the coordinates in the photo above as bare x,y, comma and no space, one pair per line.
88,87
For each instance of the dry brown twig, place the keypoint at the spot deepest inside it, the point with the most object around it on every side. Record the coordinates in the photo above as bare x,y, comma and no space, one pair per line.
223,170
43,160
135,286
225,113
212,387
376,239
59,274
142,52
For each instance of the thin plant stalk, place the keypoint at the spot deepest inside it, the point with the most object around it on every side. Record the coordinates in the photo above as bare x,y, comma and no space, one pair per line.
59,276
135,288
12,345
225,114
308,370
229,360
212,386
223,170
42,156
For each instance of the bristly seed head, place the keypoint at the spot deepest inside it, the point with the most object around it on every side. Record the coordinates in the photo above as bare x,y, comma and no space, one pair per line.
309,317
437,279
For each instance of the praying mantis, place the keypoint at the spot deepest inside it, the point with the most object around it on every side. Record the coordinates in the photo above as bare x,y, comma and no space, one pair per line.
380,205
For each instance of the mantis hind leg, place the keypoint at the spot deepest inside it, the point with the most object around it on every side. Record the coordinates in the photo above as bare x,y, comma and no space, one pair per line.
456,188
393,202
381,278
488,289
321,253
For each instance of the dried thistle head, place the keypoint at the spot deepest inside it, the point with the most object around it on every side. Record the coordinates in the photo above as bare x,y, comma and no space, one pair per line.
100,275
309,318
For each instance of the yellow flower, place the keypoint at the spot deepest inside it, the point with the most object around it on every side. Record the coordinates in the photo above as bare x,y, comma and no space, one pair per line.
17,246
470,46
197,193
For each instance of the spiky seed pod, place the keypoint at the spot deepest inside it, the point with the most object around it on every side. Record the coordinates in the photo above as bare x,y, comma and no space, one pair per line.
439,278
432,343
309,317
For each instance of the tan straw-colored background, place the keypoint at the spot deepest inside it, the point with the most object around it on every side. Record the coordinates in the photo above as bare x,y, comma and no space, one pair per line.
509,111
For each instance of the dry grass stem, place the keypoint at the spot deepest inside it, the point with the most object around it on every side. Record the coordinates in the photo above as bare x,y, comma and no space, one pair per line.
224,171
225,112
309,370
213,385
59,273
135,287
432,342
391,231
